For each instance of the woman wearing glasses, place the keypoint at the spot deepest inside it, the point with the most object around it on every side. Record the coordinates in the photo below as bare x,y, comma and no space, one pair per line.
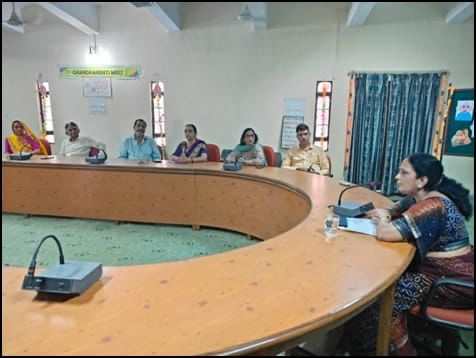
249,151
192,150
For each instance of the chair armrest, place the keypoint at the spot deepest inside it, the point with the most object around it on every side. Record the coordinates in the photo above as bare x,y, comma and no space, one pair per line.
444,281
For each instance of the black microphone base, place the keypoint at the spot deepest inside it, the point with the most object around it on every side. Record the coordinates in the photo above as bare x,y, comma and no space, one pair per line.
352,210
71,278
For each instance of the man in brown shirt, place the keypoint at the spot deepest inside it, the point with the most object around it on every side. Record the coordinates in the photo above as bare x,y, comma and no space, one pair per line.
305,156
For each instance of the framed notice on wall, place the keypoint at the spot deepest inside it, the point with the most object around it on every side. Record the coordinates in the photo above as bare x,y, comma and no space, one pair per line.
288,131
460,127
97,87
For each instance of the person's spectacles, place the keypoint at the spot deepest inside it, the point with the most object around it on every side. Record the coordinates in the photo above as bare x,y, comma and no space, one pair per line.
249,135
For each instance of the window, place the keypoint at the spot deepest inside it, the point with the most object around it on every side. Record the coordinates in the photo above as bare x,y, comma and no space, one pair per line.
44,108
322,114
158,115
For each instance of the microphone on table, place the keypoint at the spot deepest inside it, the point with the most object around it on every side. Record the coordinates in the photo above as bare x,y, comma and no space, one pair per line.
233,166
351,209
96,159
21,156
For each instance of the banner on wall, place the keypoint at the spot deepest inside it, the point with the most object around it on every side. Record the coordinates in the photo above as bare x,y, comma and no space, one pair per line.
116,72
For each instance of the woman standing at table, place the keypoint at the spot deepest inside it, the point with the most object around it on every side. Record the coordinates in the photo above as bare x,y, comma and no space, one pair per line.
192,150
24,140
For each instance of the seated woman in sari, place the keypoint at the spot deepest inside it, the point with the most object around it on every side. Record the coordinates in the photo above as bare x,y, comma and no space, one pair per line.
24,140
249,152
192,150
431,217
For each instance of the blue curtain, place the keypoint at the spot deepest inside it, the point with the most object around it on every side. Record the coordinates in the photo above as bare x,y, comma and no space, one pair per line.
394,116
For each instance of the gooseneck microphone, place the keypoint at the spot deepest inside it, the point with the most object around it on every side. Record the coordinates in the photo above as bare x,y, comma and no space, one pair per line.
348,188
32,267
20,155
96,159
69,278
351,209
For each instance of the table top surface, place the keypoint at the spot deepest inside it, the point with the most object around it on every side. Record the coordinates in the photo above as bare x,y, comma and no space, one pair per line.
234,302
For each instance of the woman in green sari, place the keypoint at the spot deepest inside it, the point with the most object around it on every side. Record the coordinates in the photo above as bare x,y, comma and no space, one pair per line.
249,152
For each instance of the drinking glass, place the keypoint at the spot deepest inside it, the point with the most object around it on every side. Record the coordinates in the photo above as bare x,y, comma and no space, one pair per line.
331,225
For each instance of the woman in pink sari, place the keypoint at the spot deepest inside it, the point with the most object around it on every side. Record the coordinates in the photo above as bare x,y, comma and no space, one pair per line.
24,140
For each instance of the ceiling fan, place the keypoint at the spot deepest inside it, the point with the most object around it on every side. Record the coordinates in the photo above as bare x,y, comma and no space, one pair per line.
14,19
245,14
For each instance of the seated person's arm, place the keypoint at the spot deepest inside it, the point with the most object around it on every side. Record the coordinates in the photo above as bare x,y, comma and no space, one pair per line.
100,145
155,152
322,167
260,159
202,158
231,157
35,147
378,215
123,153
8,149
386,231
287,161
63,148
178,155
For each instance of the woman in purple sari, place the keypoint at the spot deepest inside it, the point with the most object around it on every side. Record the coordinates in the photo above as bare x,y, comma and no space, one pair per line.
192,150
431,217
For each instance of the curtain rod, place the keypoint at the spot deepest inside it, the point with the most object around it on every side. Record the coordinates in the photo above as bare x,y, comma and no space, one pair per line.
444,72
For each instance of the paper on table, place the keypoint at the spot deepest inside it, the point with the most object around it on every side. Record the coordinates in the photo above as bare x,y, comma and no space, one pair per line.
364,226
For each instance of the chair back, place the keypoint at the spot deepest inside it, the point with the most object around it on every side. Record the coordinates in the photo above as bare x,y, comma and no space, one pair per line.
93,151
213,153
429,325
47,144
270,155
224,153
279,159
162,152
330,165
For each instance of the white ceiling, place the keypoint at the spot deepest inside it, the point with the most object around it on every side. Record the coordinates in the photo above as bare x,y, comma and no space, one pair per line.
41,16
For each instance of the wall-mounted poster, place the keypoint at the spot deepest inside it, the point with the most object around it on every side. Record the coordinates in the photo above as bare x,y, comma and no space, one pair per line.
460,128
288,131
97,87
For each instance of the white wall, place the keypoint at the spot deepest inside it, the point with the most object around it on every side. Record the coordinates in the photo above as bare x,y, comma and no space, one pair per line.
222,75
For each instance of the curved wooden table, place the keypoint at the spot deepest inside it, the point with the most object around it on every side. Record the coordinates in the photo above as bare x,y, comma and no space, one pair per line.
272,295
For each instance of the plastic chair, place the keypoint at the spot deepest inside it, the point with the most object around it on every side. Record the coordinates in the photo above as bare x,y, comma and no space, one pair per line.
270,155
279,159
427,324
46,144
93,151
330,166
213,153
224,153
162,152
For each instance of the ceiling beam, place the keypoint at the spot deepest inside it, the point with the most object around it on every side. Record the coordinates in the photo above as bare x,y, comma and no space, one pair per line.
168,13
358,13
460,12
20,28
82,16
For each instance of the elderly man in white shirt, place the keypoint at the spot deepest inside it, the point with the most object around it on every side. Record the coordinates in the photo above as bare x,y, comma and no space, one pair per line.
76,145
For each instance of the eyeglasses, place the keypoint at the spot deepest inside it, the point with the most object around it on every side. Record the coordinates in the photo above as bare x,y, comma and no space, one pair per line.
249,135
